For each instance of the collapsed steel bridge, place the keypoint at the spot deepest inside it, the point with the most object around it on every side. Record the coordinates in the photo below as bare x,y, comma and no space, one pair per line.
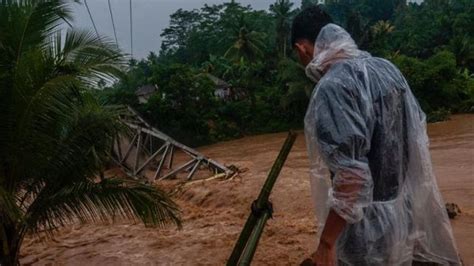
144,149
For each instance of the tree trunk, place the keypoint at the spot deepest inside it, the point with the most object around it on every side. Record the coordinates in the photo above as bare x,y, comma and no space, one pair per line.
10,242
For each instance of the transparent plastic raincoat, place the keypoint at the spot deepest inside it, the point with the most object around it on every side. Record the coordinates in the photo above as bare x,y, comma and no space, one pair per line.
370,162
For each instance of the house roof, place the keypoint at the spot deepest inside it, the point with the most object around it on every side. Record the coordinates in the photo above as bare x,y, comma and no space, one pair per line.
145,90
219,82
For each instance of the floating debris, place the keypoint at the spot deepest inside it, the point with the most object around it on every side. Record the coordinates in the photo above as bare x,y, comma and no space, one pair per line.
453,210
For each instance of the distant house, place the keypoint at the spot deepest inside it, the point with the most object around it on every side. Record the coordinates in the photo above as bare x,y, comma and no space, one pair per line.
222,89
225,91
145,92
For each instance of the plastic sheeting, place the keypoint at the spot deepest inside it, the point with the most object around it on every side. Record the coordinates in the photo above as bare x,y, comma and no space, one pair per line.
370,162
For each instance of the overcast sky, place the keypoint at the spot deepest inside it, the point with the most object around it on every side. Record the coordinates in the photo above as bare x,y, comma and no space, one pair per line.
150,17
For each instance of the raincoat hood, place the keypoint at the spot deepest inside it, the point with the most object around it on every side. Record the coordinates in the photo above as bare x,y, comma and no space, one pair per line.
332,45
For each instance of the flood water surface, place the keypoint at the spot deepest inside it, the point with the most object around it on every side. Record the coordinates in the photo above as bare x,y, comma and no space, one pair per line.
214,212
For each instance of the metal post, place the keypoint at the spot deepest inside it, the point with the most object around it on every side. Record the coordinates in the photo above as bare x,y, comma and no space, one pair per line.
179,169
132,142
163,158
137,154
261,204
195,167
150,159
251,247
170,161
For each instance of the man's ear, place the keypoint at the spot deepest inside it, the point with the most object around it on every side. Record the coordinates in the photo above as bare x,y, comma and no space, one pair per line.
300,48
305,54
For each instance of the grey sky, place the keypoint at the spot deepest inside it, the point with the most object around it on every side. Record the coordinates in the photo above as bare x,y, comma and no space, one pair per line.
150,17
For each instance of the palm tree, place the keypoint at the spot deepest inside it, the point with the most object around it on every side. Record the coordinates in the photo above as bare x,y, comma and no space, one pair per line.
298,87
382,28
380,36
248,45
281,11
55,138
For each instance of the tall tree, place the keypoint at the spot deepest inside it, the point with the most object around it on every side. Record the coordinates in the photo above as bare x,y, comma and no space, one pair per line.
282,12
380,33
55,138
182,22
248,45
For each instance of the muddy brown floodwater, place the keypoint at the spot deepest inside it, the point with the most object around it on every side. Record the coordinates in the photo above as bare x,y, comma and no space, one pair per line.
214,212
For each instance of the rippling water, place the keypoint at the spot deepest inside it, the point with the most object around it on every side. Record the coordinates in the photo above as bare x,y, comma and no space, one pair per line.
214,212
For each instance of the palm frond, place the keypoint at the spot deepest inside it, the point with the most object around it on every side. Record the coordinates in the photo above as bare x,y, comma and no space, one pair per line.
9,211
88,127
90,57
32,134
55,138
247,45
28,24
88,201
76,147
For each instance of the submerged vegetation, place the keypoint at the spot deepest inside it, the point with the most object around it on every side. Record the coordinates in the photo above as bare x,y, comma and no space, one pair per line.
431,42
55,136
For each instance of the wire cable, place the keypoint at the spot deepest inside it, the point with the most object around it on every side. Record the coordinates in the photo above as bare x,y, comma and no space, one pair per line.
92,20
113,23
131,30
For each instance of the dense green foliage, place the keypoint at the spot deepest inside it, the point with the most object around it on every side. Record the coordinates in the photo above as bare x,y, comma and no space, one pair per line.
432,43
55,137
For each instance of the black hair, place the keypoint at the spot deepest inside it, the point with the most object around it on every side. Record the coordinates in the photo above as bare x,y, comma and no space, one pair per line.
308,23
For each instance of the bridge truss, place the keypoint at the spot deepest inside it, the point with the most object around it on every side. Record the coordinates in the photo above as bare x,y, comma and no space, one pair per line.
147,152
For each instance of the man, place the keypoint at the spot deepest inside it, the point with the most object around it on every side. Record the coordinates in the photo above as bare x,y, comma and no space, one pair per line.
377,201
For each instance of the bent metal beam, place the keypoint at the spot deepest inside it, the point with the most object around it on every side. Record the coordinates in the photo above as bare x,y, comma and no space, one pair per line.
141,145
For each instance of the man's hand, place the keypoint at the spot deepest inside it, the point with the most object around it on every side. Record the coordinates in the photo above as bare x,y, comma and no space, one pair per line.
325,255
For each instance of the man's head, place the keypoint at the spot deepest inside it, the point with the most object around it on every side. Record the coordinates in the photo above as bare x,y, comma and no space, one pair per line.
305,29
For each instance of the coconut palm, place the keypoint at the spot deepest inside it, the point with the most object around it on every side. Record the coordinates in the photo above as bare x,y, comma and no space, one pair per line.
248,44
382,28
381,34
281,11
55,138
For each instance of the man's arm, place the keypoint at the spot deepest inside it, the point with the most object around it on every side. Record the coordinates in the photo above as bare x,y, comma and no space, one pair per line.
343,131
326,253
333,227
